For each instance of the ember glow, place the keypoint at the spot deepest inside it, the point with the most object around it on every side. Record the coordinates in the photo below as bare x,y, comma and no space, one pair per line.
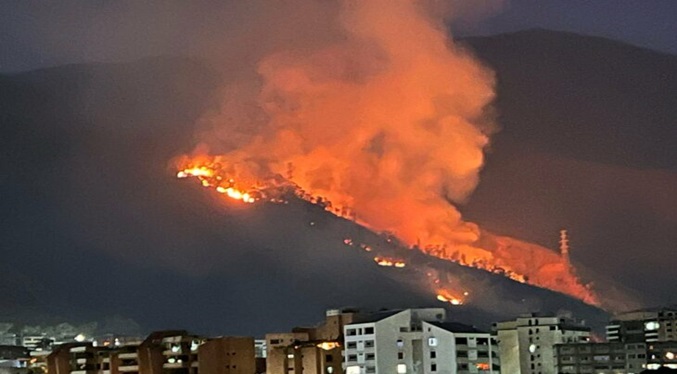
447,297
389,261
386,127
209,176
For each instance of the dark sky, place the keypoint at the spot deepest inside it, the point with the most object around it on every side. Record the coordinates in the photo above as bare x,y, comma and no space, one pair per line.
37,34
76,201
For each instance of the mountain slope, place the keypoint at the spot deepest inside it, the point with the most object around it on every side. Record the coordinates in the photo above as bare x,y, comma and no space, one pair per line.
92,205
587,144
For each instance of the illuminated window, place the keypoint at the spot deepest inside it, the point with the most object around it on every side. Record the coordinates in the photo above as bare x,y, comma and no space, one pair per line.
401,369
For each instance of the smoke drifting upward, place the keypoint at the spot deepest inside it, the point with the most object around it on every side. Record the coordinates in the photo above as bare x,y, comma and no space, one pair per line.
389,123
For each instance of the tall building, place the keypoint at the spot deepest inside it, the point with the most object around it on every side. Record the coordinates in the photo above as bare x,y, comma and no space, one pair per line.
416,341
585,358
170,352
527,344
314,350
644,326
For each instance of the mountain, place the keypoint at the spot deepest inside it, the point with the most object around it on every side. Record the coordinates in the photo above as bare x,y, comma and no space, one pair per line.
97,225
587,144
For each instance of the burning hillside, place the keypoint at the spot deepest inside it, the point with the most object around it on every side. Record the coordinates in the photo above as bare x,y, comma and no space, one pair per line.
387,127
517,260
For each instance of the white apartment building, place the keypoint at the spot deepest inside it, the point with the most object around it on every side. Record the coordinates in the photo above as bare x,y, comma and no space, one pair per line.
527,344
416,341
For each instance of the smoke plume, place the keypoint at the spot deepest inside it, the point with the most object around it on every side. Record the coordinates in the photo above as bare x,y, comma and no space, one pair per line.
389,122
386,122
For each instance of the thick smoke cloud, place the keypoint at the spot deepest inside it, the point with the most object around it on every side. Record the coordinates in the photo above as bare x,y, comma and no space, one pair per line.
386,119
393,112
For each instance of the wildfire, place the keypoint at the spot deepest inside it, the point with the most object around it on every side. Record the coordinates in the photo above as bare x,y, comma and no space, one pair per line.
389,261
210,176
210,173
386,128
447,297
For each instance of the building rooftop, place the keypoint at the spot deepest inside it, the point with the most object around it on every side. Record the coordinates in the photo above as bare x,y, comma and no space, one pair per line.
375,316
458,327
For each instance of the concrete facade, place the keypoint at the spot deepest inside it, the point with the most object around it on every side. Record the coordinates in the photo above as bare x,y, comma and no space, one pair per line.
527,344
227,355
314,350
416,341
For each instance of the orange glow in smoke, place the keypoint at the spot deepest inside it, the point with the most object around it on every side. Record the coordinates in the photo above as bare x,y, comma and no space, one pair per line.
387,128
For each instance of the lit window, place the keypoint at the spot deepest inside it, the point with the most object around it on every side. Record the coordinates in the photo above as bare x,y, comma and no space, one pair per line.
401,369
353,370
432,342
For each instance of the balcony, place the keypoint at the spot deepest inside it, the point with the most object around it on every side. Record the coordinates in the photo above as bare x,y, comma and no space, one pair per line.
128,368
128,356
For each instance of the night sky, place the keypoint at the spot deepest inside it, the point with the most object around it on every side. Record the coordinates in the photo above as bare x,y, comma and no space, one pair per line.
34,34
90,201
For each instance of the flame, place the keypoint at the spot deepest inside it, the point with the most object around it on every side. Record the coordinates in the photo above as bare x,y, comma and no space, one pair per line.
209,175
389,261
446,296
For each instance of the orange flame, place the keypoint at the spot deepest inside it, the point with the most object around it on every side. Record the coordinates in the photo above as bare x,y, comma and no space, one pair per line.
209,176
389,261
446,296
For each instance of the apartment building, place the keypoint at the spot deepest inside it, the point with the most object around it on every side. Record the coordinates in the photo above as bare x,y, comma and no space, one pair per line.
644,326
227,355
592,358
78,358
313,350
416,341
162,352
527,344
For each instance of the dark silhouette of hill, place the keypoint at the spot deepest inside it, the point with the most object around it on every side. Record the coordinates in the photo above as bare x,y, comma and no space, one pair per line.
588,144
96,221
586,98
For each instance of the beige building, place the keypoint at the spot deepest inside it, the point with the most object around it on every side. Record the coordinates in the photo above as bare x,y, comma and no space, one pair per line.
78,358
227,355
314,350
417,341
162,352
527,344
